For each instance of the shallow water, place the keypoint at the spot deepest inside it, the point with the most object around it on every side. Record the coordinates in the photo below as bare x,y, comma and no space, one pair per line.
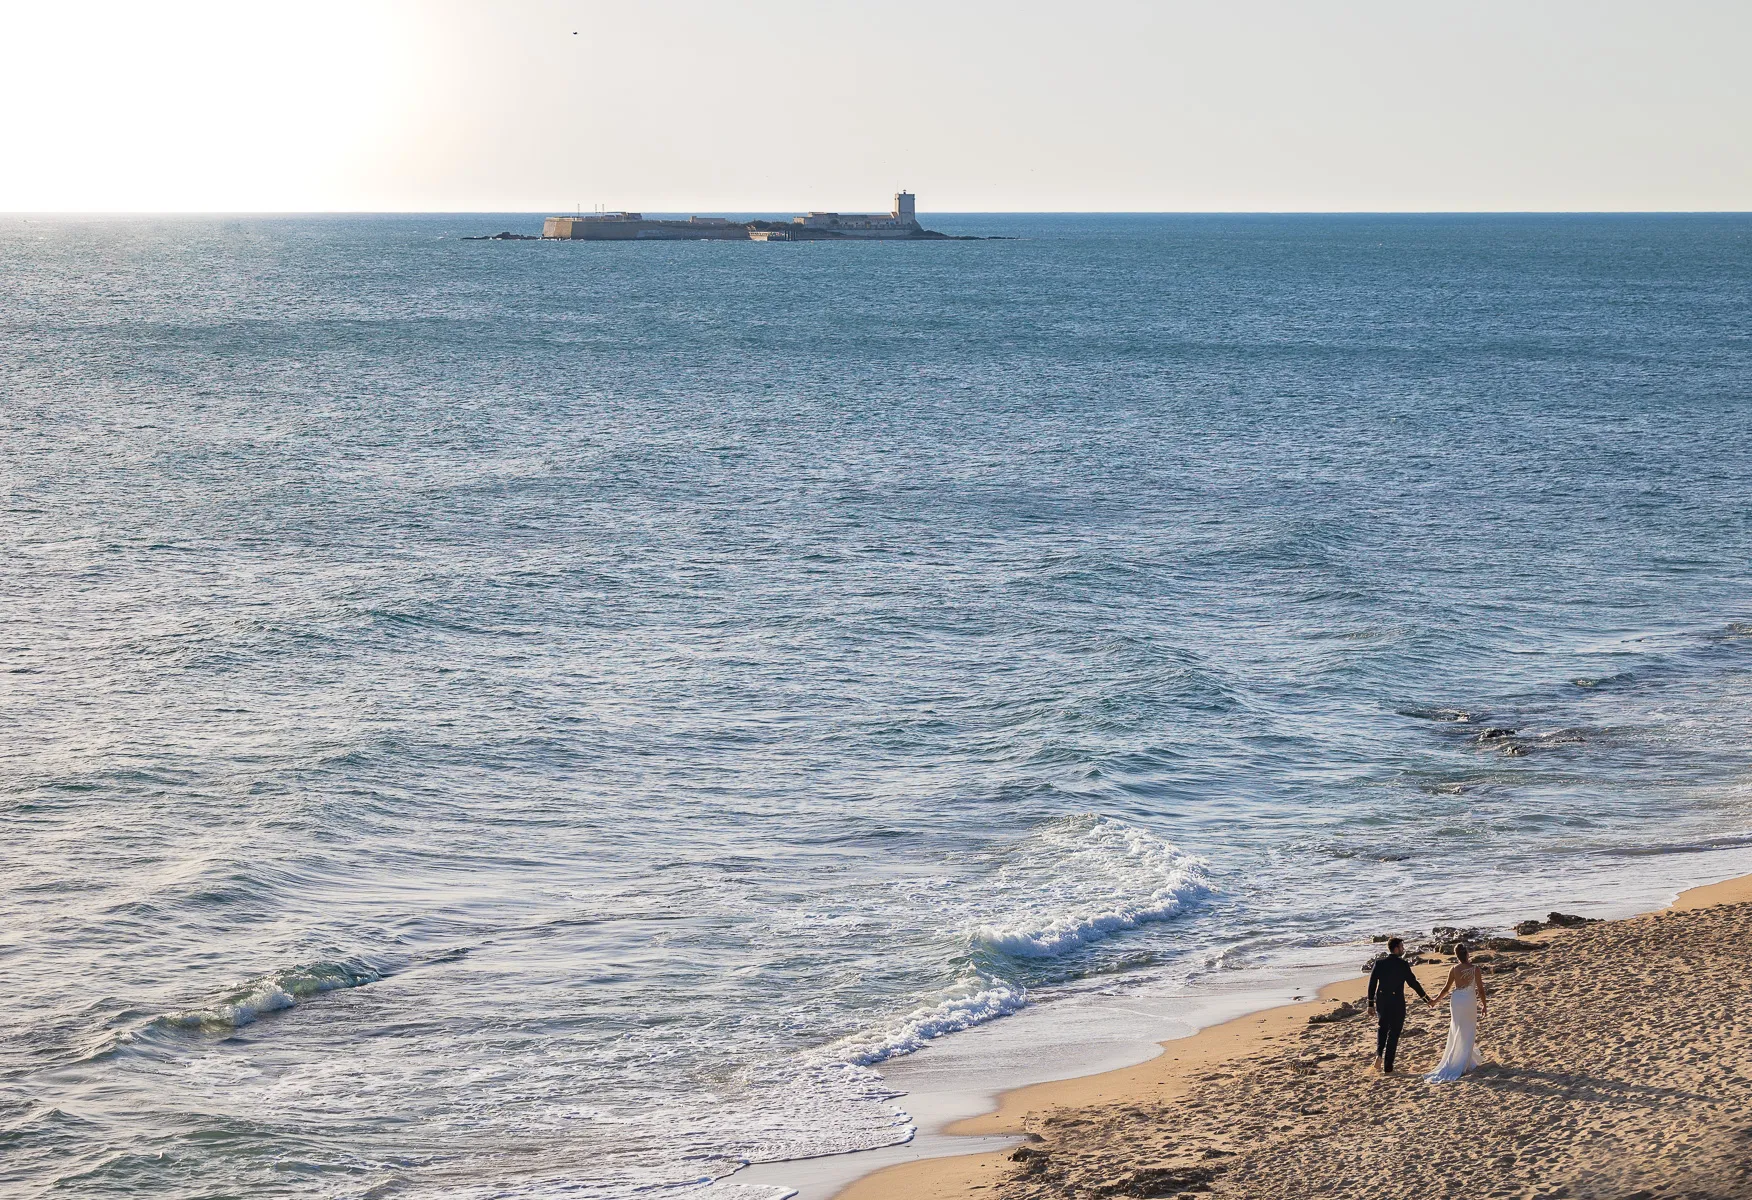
513,717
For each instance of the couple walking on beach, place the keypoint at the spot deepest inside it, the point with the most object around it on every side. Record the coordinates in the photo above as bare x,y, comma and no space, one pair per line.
1387,984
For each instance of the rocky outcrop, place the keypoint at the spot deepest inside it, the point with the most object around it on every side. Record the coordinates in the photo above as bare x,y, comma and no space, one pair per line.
1555,920
1344,1012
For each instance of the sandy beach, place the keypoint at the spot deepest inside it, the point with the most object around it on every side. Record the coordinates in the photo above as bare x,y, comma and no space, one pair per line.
1618,1065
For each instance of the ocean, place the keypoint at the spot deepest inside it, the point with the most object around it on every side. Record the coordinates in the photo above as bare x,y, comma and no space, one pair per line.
519,719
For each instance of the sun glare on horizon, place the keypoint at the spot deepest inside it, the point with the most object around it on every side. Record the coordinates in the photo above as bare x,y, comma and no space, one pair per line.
207,106
769,105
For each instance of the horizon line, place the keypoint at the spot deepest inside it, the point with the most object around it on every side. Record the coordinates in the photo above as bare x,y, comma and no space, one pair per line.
986,212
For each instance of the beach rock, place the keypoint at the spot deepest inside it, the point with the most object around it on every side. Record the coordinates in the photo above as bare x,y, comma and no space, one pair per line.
1529,927
1028,1153
1161,1181
1445,937
1486,736
1514,944
1453,933
1559,920
1343,1012
1514,749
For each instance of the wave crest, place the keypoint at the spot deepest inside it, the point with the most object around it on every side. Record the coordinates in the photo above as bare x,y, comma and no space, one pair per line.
270,993
1070,883
975,1005
1109,877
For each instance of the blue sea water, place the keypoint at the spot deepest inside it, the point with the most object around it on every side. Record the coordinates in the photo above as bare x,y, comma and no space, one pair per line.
495,719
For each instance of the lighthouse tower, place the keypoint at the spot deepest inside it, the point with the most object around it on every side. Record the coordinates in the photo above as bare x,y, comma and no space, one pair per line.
903,208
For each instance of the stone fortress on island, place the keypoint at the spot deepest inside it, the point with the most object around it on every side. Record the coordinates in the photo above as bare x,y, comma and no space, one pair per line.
901,222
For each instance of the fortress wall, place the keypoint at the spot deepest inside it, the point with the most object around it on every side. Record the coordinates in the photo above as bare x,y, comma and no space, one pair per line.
576,229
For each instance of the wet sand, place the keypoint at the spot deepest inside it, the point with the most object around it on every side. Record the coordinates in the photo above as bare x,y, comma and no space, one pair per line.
1618,1064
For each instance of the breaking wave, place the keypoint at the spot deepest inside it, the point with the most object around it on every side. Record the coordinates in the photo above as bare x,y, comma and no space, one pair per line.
270,993
972,1006
1087,878
1072,883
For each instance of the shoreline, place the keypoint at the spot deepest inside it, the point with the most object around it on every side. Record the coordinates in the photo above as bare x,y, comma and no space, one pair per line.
962,1079
1182,1065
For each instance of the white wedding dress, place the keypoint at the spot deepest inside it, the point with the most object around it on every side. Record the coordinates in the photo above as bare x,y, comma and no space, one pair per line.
1461,1055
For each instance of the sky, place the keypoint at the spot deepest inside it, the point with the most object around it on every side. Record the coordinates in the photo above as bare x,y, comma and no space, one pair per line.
781,106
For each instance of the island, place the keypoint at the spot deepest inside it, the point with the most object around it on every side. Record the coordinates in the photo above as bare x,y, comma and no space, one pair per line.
900,223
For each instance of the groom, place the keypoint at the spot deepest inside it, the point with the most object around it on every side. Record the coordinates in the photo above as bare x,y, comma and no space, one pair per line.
1387,996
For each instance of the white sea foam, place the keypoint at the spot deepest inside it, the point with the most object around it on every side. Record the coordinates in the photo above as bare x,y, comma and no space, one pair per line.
974,1005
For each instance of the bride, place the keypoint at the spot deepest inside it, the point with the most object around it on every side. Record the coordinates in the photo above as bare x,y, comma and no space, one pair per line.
1466,982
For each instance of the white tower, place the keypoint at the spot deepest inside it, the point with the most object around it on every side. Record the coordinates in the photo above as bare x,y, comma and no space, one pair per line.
903,207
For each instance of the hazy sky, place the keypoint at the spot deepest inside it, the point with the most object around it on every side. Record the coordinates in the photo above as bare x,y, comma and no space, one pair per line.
770,105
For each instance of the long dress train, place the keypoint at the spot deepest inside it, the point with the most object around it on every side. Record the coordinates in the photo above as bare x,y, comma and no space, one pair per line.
1461,1054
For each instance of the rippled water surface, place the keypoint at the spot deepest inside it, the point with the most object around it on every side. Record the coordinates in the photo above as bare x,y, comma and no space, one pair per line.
518,718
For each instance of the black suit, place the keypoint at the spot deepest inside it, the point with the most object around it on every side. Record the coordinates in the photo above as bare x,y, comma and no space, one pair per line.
1387,994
